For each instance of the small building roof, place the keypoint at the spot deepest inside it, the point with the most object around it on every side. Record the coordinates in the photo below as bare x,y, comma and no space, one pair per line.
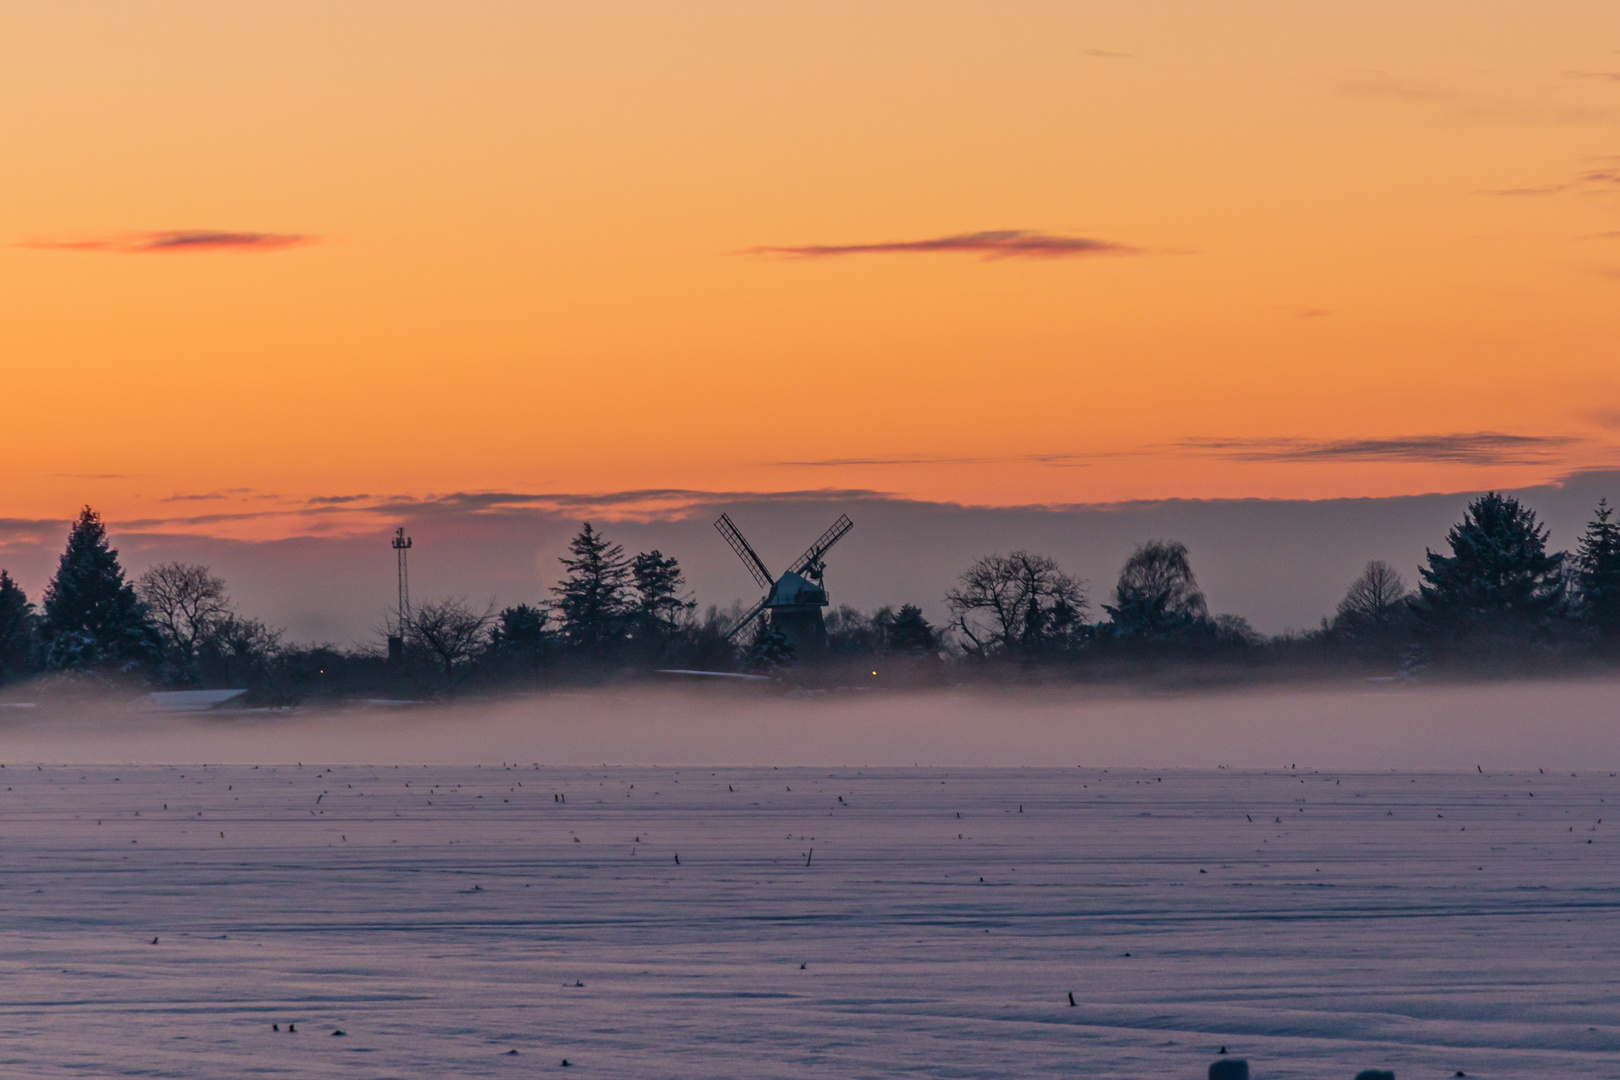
172,701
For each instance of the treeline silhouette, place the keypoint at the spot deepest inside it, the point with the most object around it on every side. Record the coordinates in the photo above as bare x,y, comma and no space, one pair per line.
1494,599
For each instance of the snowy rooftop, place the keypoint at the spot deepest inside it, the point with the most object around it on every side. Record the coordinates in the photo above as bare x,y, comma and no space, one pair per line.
174,701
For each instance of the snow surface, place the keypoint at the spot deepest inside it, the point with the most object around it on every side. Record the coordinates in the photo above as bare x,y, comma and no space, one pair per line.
442,917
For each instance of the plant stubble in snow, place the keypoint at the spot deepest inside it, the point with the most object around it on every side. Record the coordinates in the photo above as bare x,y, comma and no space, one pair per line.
1314,923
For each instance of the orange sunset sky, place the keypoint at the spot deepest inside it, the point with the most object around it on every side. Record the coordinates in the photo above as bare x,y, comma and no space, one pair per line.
998,253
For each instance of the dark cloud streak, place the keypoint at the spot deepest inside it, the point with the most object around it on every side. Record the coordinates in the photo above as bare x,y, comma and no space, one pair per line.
176,240
990,245
1467,448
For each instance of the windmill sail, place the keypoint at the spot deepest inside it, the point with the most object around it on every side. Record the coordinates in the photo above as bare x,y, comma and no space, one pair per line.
734,537
811,559
742,624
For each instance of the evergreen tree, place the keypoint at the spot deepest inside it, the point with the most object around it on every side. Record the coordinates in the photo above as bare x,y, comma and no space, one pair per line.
659,606
93,618
594,599
521,637
771,652
17,621
1499,578
1597,573
910,631
1157,598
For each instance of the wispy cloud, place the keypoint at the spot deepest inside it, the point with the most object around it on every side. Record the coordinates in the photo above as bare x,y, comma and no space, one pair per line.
1383,86
989,245
354,515
1606,76
174,240
889,459
1105,54
638,504
1469,105
1478,448
1467,448
1532,191
94,476
1602,176
206,496
1061,459
26,531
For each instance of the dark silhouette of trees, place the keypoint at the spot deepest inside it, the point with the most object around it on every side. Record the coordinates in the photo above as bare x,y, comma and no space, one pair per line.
1374,600
1234,632
1018,605
520,641
705,645
850,633
660,609
186,605
93,619
1494,590
450,634
910,632
318,672
1597,574
17,630
1157,599
239,652
1499,581
594,599
1375,616
770,652
884,632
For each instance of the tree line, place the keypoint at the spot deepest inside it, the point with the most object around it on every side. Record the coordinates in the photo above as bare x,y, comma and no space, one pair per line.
1493,595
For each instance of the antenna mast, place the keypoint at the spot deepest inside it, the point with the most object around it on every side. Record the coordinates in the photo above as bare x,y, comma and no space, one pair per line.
402,544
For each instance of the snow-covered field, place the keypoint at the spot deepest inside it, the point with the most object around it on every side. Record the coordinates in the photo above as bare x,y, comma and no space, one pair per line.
466,921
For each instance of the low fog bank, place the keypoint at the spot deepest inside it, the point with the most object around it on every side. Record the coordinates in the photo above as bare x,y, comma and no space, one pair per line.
1567,724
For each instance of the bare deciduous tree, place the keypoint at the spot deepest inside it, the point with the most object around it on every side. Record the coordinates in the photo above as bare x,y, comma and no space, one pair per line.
451,633
1015,603
1376,598
186,603
238,651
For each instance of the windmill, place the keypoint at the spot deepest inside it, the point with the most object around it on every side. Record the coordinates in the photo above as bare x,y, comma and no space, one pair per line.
795,599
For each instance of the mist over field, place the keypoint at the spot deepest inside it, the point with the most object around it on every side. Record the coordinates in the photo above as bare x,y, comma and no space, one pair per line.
1551,723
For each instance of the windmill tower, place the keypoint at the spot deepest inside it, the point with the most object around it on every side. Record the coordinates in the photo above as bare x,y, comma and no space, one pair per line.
793,602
